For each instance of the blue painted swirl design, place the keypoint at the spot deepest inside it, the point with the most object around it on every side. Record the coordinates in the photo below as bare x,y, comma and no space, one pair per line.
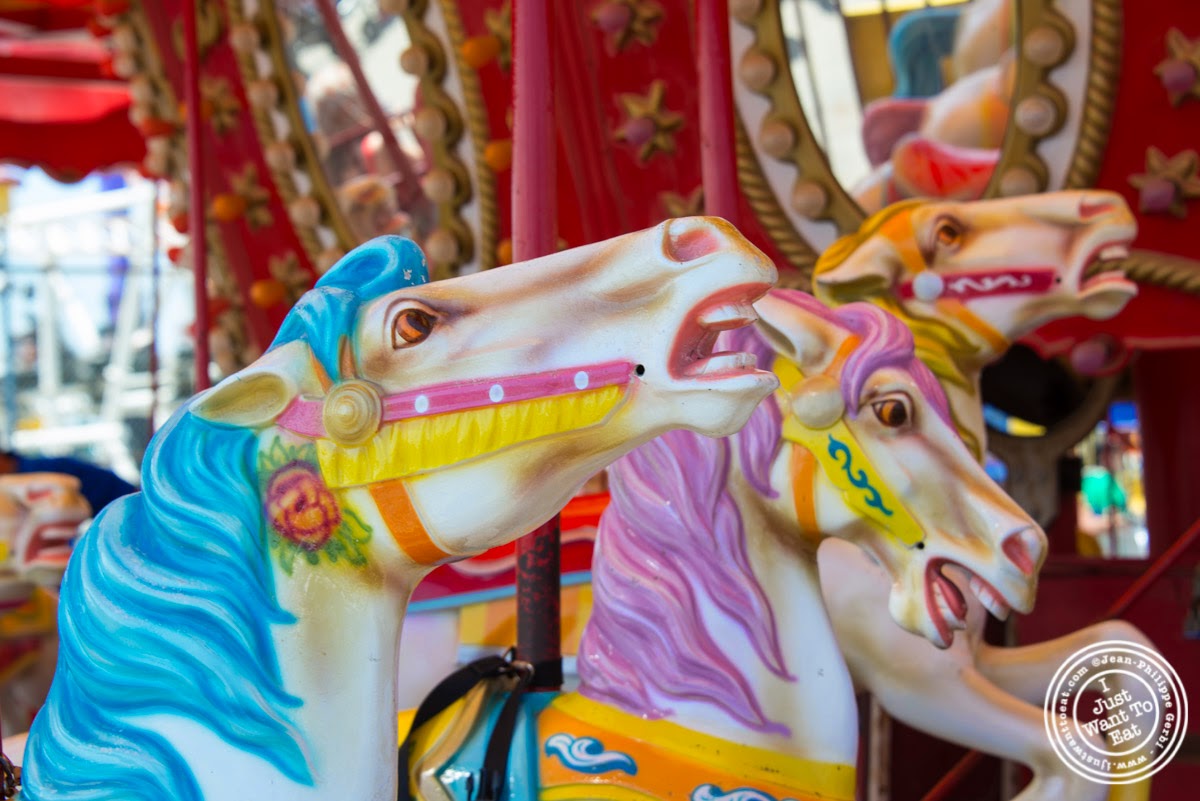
858,478
710,792
587,755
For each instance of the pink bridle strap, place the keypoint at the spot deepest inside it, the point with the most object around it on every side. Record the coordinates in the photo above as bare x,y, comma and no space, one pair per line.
989,283
304,415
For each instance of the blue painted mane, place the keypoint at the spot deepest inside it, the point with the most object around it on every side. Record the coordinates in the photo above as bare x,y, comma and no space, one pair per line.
168,602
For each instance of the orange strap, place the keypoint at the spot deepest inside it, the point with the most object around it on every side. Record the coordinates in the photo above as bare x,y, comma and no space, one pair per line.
804,467
396,509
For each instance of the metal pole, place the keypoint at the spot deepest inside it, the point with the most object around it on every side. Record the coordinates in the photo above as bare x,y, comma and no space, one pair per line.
534,234
718,160
411,196
197,225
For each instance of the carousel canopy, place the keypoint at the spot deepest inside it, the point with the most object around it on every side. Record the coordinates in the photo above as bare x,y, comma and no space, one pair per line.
61,108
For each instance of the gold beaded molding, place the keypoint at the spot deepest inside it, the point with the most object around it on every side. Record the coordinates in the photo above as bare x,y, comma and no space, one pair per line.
289,151
1038,110
772,218
1104,69
450,184
784,136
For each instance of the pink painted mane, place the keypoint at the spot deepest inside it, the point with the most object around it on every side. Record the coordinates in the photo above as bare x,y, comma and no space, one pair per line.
671,560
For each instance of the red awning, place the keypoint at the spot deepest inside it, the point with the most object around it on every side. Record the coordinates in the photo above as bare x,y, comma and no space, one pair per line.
60,108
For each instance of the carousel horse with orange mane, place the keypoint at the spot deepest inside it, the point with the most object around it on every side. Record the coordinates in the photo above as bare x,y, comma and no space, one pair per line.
231,631
968,279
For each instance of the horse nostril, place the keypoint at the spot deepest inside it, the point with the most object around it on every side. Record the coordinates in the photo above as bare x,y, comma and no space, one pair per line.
689,239
1025,549
1089,209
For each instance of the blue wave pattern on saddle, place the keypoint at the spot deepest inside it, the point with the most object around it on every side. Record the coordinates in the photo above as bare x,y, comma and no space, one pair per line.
710,792
859,478
587,755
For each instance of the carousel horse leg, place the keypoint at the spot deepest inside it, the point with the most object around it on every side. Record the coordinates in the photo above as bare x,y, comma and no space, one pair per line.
1027,670
973,712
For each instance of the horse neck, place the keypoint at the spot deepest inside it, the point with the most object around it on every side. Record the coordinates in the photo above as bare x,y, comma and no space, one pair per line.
340,658
815,687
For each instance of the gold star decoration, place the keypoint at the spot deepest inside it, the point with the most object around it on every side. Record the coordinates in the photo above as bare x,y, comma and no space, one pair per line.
677,205
1168,183
1180,71
648,126
626,21
257,199
287,271
219,105
499,24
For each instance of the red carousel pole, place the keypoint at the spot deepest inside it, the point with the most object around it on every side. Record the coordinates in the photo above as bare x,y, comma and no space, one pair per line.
535,214
196,204
718,159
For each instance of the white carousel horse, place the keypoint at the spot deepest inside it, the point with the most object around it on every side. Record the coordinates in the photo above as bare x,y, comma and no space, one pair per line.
968,279
40,516
231,631
709,668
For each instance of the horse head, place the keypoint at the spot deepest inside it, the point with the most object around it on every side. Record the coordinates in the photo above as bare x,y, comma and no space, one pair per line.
393,397
875,459
975,276
40,515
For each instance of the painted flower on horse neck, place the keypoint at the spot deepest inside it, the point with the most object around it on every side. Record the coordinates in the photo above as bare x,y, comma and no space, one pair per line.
304,516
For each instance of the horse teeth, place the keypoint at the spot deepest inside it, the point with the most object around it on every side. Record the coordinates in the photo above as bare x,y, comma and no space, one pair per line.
722,363
953,620
1114,253
989,599
733,315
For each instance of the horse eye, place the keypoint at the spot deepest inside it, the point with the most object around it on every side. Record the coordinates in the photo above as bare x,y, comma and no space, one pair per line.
891,412
948,233
410,327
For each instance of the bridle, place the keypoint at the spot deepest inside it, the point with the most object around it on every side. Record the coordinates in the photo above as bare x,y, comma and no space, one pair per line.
831,445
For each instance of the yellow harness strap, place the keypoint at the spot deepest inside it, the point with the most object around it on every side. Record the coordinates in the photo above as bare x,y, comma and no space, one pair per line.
840,455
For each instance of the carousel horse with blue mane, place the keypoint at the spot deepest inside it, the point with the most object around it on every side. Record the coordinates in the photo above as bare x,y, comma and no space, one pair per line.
709,668
231,631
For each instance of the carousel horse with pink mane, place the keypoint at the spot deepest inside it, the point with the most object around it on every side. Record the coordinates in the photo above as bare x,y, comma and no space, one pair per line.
968,279
231,631
40,516
709,668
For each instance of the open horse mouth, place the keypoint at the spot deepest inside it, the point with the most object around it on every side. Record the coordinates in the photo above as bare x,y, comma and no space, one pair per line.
945,602
693,355
50,545
1102,269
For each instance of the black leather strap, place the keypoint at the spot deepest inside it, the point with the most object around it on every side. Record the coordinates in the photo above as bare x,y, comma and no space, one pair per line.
453,688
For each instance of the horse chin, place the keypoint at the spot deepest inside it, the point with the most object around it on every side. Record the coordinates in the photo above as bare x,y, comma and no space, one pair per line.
1105,299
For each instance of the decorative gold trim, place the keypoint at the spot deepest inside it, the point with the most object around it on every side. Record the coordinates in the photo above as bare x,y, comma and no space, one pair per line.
1163,270
1019,159
771,217
790,136
308,160
1104,70
480,185
480,132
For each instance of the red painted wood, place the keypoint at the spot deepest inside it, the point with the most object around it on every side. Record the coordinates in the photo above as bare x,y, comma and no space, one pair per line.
717,149
539,628
197,202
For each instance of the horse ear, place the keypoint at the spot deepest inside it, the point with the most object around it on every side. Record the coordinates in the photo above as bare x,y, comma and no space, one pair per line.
872,268
256,396
798,327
